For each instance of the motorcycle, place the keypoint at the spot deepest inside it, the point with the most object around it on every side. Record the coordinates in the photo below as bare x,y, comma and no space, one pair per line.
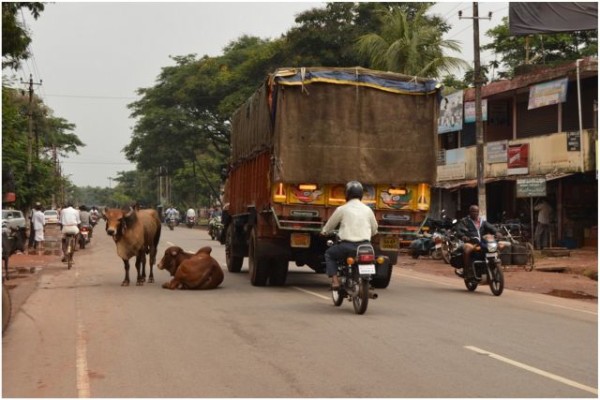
485,262
215,228
190,221
84,236
355,273
171,223
429,240
451,240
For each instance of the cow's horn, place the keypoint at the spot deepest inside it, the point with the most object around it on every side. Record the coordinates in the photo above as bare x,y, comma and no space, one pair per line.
129,213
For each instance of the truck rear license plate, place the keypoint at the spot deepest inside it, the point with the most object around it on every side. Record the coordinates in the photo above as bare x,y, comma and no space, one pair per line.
388,242
301,240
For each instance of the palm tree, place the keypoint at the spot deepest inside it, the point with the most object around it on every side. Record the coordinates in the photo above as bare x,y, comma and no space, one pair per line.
409,45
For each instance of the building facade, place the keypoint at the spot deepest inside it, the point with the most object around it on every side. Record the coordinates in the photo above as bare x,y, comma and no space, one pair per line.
540,142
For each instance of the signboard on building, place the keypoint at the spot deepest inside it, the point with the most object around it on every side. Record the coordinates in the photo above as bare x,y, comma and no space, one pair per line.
451,113
518,159
470,111
548,93
531,187
573,142
451,172
497,152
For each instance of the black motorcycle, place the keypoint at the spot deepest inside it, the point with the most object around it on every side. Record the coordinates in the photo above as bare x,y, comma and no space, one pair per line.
485,262
355,274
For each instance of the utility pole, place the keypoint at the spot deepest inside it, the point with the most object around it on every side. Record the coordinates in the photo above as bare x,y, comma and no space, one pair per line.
30,120
478,82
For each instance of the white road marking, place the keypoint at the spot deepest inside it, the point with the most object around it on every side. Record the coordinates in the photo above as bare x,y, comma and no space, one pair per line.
534,370
83,381
567,308
309,292
430,280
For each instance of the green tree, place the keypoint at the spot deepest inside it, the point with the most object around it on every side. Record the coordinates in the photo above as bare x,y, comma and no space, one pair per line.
540,49
15,38
411,43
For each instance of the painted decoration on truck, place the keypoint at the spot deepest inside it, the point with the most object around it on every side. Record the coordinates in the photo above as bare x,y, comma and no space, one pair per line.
396,198
337,195
306,194
369,196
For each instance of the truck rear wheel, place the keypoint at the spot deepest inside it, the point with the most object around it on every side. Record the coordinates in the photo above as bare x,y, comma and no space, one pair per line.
234,263
258,265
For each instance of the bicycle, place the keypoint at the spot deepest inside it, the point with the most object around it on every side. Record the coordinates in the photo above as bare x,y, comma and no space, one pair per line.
70,245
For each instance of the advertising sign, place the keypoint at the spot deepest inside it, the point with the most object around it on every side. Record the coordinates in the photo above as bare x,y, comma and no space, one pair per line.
518,159
470,111
548,93
451,113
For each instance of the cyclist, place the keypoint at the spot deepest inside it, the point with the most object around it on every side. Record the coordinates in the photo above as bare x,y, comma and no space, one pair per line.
69,224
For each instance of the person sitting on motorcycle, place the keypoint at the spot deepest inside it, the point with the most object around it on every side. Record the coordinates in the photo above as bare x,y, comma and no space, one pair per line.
170,213
357,225
84,216
94,216
472,226
190,214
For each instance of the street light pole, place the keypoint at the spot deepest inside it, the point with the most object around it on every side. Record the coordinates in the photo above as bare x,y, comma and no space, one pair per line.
478,82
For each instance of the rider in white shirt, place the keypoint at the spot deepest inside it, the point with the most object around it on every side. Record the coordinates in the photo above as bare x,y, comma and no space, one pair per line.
357,225
69,223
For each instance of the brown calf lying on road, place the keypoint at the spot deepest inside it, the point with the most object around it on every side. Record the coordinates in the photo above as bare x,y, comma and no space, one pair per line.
191,271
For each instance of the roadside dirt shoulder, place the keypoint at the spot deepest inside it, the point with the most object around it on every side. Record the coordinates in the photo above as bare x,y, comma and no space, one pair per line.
573,277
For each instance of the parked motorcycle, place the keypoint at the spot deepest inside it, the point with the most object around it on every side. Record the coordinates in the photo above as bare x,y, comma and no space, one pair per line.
356,273
430,238
485,262
451,240
190,221
84,236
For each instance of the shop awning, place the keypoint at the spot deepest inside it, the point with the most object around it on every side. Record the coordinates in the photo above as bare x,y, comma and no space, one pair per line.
472,183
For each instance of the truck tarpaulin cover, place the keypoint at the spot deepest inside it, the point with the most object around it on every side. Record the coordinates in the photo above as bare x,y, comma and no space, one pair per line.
532,17
328,125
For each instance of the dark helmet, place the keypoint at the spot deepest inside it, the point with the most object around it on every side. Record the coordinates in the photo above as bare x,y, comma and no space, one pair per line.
354,190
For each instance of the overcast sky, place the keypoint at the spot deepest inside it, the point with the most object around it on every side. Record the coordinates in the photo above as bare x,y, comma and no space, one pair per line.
91,58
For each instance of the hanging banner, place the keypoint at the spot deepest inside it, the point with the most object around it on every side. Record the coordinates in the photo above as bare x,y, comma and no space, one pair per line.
548,93
451,113
518,159
470,116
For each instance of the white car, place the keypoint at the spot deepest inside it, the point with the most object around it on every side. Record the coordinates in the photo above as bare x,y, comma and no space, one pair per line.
51,216
13,219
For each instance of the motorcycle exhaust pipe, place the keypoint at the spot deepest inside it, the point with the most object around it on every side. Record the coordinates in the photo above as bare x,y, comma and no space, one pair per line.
373,295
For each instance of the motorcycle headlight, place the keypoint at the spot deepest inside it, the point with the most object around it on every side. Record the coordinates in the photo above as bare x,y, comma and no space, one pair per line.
492,247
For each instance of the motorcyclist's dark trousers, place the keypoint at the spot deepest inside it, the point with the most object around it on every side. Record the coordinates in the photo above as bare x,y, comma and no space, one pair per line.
338,252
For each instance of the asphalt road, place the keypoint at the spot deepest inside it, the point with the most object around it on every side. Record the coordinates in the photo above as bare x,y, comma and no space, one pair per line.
81,334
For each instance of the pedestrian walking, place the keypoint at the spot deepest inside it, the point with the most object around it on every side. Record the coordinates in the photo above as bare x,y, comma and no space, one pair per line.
542,229
38,222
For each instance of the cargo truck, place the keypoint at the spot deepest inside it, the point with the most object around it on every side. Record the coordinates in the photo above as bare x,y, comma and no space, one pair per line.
297,141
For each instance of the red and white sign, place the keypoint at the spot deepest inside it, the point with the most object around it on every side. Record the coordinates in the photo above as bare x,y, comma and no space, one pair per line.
518,159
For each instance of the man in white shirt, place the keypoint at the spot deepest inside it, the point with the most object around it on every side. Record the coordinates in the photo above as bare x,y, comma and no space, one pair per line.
542,230
69,224
38,226
357,226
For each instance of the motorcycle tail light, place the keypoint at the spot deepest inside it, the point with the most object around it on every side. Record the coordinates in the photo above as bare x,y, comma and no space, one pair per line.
366,258
437,239
349,261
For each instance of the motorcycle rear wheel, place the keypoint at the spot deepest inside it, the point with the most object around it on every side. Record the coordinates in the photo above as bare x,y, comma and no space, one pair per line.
360,301
496,279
